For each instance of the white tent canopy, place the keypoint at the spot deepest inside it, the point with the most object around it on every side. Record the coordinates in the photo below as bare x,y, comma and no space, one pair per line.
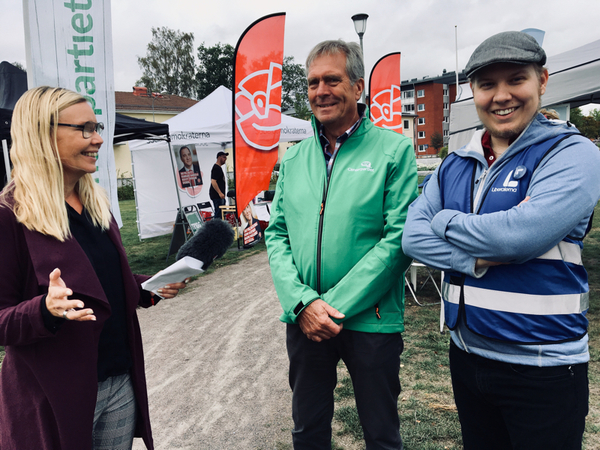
206,128
574,79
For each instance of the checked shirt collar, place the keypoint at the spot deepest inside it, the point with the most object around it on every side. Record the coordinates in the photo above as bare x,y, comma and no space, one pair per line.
327,151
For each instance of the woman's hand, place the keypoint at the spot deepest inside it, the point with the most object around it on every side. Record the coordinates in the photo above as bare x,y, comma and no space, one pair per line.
171,290
60,306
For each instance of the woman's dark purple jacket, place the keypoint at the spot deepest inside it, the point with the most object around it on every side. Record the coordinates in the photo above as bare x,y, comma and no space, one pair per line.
48,382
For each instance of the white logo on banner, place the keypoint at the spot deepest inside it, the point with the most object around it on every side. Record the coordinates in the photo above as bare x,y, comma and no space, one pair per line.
260,115
385,107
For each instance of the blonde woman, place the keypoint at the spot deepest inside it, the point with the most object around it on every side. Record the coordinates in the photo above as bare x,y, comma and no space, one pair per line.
73,375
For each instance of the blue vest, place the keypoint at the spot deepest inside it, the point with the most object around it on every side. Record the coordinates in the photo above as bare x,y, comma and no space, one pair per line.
541,301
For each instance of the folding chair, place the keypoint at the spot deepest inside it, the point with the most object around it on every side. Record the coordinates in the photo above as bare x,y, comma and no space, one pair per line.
412,284
206,215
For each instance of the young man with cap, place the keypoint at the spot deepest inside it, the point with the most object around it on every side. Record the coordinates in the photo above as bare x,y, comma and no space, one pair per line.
217,183
505,217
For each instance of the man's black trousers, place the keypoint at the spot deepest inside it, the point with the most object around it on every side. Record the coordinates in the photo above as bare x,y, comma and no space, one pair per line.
373,360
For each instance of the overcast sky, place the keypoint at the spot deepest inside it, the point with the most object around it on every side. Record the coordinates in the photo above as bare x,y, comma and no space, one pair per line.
422,30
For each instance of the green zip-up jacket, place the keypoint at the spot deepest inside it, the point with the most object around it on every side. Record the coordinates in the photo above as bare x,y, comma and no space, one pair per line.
340,239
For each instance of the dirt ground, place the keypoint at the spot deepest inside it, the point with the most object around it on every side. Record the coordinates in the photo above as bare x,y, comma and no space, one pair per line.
216,364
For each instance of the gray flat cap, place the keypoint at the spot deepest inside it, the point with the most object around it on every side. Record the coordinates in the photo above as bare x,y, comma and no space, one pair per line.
510,46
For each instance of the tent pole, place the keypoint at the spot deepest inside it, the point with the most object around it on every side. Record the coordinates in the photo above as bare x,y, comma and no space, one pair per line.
175,179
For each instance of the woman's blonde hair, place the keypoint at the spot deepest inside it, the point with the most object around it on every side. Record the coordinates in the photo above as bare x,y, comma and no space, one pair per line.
36,193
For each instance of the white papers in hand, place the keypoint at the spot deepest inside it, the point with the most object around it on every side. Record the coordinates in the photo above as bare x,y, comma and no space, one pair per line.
175,273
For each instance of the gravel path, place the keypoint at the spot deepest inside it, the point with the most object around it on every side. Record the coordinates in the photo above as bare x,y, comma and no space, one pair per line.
216,363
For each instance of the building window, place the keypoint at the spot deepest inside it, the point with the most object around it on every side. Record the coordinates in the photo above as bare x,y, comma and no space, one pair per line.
446,134
445,105
421,121
406,125
408,108
421,93
445,92
446,119
421,107
421,135
408,94
422,148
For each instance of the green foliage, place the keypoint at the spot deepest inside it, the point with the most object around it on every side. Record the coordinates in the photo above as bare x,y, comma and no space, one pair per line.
437,141
215,68
576,116
294,91
125,191
443,152
169,66
18,65
169,63
588,125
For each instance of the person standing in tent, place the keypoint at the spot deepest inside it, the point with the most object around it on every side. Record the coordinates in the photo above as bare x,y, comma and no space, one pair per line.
505,217
217,183
334,245
73,374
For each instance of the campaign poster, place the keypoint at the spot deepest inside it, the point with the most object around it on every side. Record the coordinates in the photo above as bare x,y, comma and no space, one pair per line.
251,229
190,177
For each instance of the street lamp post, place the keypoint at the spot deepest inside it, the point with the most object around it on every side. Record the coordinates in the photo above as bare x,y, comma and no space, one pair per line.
360,25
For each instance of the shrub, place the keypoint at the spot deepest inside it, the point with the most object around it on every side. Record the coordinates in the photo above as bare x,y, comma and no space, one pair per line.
443,152
125,191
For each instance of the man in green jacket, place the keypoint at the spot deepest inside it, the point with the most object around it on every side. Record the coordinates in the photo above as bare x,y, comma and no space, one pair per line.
334,244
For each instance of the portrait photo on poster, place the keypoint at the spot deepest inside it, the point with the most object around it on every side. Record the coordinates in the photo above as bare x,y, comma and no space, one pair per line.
190,175
252,231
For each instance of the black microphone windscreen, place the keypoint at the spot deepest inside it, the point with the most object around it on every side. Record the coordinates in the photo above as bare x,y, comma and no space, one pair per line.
211,241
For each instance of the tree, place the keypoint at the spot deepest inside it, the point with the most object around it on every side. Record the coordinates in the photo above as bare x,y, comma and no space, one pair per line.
169,63
595,114
576,117
294,92
18,65
215,68
588,125
437,141
443,153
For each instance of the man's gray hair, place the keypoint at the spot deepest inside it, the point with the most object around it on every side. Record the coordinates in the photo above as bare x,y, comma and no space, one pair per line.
355,68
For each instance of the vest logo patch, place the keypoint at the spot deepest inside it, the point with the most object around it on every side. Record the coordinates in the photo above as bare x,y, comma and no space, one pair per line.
508,185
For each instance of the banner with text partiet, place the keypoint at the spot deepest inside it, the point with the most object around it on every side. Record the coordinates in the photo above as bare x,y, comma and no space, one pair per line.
69,44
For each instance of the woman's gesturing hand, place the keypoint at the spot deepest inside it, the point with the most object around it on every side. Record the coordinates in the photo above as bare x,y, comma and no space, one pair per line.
60,306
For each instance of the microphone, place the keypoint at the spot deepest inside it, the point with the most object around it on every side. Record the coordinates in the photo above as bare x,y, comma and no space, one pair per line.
210,242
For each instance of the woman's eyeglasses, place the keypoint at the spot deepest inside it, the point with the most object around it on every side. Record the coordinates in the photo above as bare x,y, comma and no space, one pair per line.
87,129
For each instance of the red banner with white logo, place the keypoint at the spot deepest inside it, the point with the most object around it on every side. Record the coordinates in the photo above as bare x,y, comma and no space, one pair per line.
257,106
384,93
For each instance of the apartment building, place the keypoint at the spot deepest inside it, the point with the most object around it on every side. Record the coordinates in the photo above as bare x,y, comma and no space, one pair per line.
430,98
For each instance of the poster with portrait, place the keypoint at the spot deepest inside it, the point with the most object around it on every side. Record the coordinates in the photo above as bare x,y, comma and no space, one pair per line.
251,230
190,177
